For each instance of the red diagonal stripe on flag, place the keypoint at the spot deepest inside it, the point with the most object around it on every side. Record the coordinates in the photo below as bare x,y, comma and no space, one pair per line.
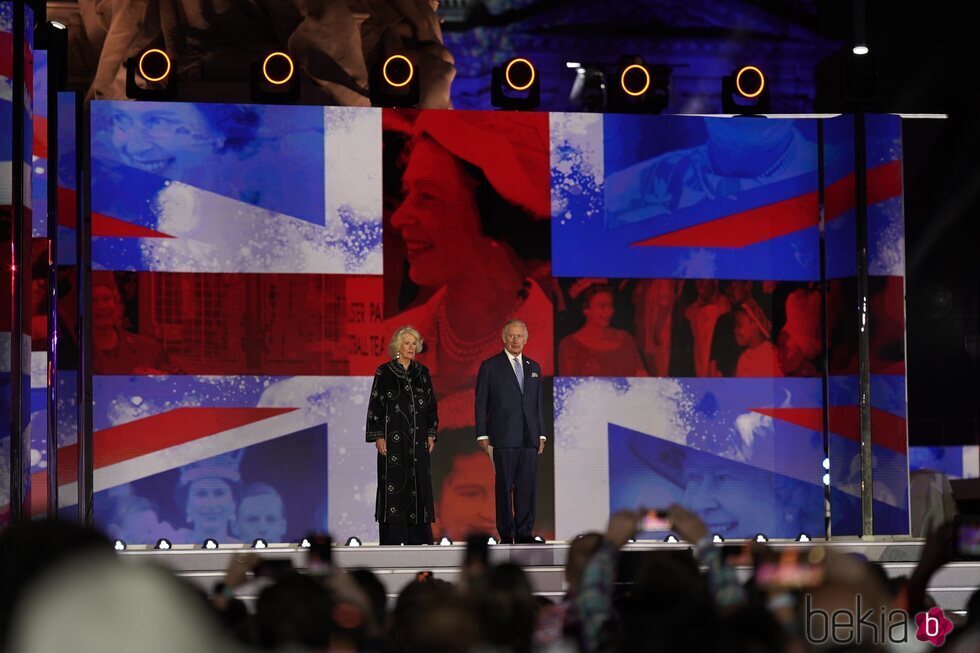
884,182
156,432
746,227
887,429
40,136
7,58
784,217
102,224
7,54
147,435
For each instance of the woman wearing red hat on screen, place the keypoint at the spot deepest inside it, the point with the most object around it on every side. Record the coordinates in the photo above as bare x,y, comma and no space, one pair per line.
473,217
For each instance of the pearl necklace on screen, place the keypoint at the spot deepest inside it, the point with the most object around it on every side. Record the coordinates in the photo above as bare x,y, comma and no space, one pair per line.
462,350
769,172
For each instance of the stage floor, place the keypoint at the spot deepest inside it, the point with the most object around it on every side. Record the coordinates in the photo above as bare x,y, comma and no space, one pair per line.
397,565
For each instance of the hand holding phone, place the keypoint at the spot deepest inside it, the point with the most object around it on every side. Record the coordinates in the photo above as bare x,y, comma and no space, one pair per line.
477,551
320,553
738,555
273,568
966,541
654,520
789,573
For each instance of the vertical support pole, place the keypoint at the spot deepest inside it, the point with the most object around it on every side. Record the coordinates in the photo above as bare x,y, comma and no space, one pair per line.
56,36
864,338
83,257
19,268
824,336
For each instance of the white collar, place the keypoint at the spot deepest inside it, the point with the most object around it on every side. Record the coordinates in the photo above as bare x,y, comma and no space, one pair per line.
511,357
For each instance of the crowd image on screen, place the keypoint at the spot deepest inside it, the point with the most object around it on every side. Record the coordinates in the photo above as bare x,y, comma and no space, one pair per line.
689,328
117,347
66,314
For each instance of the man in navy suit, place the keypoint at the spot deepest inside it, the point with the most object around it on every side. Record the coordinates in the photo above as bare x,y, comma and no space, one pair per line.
509,419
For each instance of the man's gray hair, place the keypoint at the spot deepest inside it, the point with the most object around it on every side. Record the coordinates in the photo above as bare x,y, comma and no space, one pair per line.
400,333
503,332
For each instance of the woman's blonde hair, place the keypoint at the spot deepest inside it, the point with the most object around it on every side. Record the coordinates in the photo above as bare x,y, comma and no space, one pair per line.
400,333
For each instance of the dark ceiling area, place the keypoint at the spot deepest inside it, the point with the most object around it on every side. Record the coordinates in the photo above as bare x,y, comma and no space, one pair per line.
923,60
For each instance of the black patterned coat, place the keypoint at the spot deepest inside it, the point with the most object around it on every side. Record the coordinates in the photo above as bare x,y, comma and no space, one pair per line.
402,410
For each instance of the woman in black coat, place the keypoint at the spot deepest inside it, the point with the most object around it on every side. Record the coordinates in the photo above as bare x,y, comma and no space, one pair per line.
402,422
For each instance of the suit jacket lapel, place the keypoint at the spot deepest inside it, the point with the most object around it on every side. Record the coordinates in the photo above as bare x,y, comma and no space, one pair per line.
527,378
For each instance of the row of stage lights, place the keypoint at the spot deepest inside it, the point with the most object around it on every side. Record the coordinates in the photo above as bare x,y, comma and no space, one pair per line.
163,544
515,85
150,76
210,544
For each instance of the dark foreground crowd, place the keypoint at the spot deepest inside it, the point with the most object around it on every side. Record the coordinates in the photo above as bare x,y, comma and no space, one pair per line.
63,588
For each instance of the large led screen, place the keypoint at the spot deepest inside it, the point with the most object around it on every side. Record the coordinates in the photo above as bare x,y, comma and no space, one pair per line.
254,262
